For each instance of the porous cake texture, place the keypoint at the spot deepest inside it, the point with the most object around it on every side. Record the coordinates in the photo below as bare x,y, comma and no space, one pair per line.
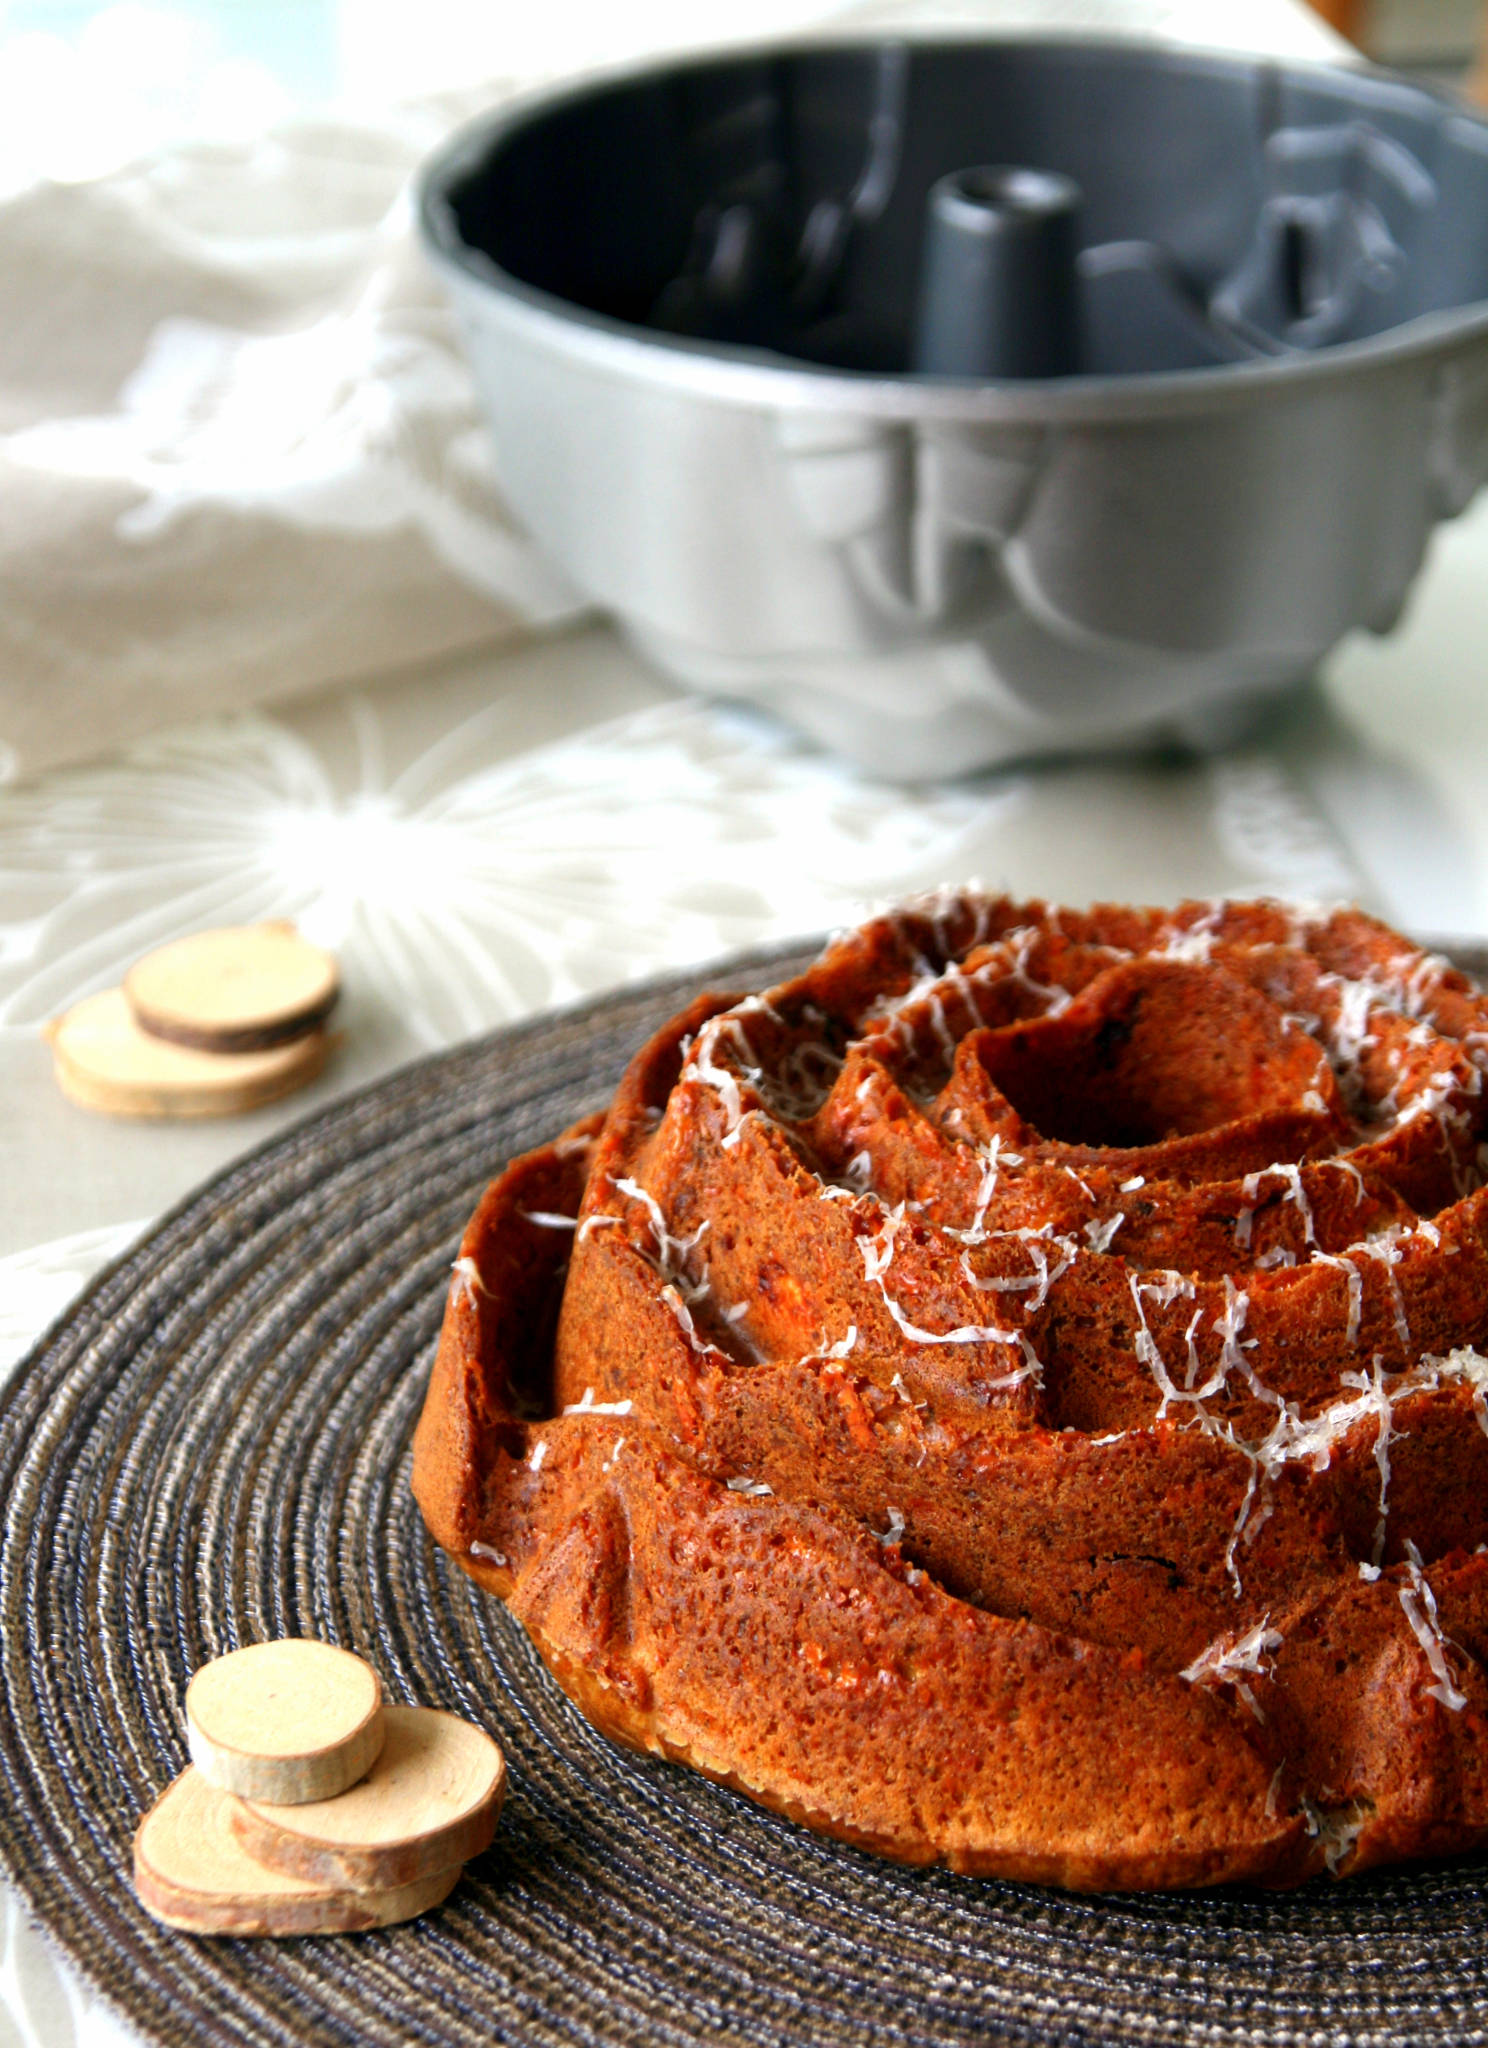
1013,1396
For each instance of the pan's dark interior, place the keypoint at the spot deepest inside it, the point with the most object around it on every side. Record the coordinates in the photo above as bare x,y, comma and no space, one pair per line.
1228,209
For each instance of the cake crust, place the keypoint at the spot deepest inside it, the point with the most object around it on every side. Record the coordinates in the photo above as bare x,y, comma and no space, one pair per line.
1012,1396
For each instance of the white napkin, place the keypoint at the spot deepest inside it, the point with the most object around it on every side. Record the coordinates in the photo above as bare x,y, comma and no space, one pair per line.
239,451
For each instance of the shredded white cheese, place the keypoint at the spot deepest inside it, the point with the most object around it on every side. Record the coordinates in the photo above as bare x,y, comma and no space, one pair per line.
467,1282
1418,1603
589,1406
1232,1661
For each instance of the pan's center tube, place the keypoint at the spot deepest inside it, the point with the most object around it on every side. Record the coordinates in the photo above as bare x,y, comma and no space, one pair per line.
997,291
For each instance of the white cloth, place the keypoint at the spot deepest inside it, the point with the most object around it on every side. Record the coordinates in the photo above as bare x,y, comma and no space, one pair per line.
239,451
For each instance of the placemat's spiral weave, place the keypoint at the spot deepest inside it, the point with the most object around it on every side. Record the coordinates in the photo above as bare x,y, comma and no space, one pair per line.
212,1447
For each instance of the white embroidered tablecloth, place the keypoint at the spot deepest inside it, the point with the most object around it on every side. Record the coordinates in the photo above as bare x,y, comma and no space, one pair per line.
227,511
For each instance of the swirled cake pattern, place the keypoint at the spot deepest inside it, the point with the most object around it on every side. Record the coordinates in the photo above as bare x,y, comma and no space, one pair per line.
1014,1395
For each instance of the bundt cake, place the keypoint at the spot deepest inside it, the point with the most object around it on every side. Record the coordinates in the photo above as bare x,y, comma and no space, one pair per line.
1012,1396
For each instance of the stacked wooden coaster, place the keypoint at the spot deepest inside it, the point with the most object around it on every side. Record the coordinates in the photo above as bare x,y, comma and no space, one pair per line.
207,1026
310,1807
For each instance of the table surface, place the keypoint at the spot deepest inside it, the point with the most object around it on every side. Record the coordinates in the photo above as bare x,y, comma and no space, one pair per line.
467,838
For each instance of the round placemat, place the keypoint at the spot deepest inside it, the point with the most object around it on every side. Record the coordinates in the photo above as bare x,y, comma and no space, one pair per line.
212,1448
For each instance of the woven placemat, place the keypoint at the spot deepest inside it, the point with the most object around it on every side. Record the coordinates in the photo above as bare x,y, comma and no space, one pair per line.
212,1447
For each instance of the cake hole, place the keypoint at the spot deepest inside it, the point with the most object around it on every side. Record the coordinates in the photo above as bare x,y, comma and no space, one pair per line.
1151,1051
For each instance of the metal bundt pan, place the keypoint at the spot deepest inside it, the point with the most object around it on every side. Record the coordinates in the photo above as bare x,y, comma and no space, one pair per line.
969,401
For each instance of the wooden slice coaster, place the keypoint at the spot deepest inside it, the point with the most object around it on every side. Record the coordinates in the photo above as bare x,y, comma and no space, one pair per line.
286,1722
190,1872
241,989
104,1061
432,1798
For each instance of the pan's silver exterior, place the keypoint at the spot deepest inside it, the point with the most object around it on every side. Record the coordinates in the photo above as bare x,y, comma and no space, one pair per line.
931,576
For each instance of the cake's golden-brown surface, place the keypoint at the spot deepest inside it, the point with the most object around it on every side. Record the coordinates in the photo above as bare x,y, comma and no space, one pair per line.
1011,1396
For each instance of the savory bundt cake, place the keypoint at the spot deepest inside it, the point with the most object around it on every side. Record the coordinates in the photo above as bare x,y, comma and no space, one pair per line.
1011,1396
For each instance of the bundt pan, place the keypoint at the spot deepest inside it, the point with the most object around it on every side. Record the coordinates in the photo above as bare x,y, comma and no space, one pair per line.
963,401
